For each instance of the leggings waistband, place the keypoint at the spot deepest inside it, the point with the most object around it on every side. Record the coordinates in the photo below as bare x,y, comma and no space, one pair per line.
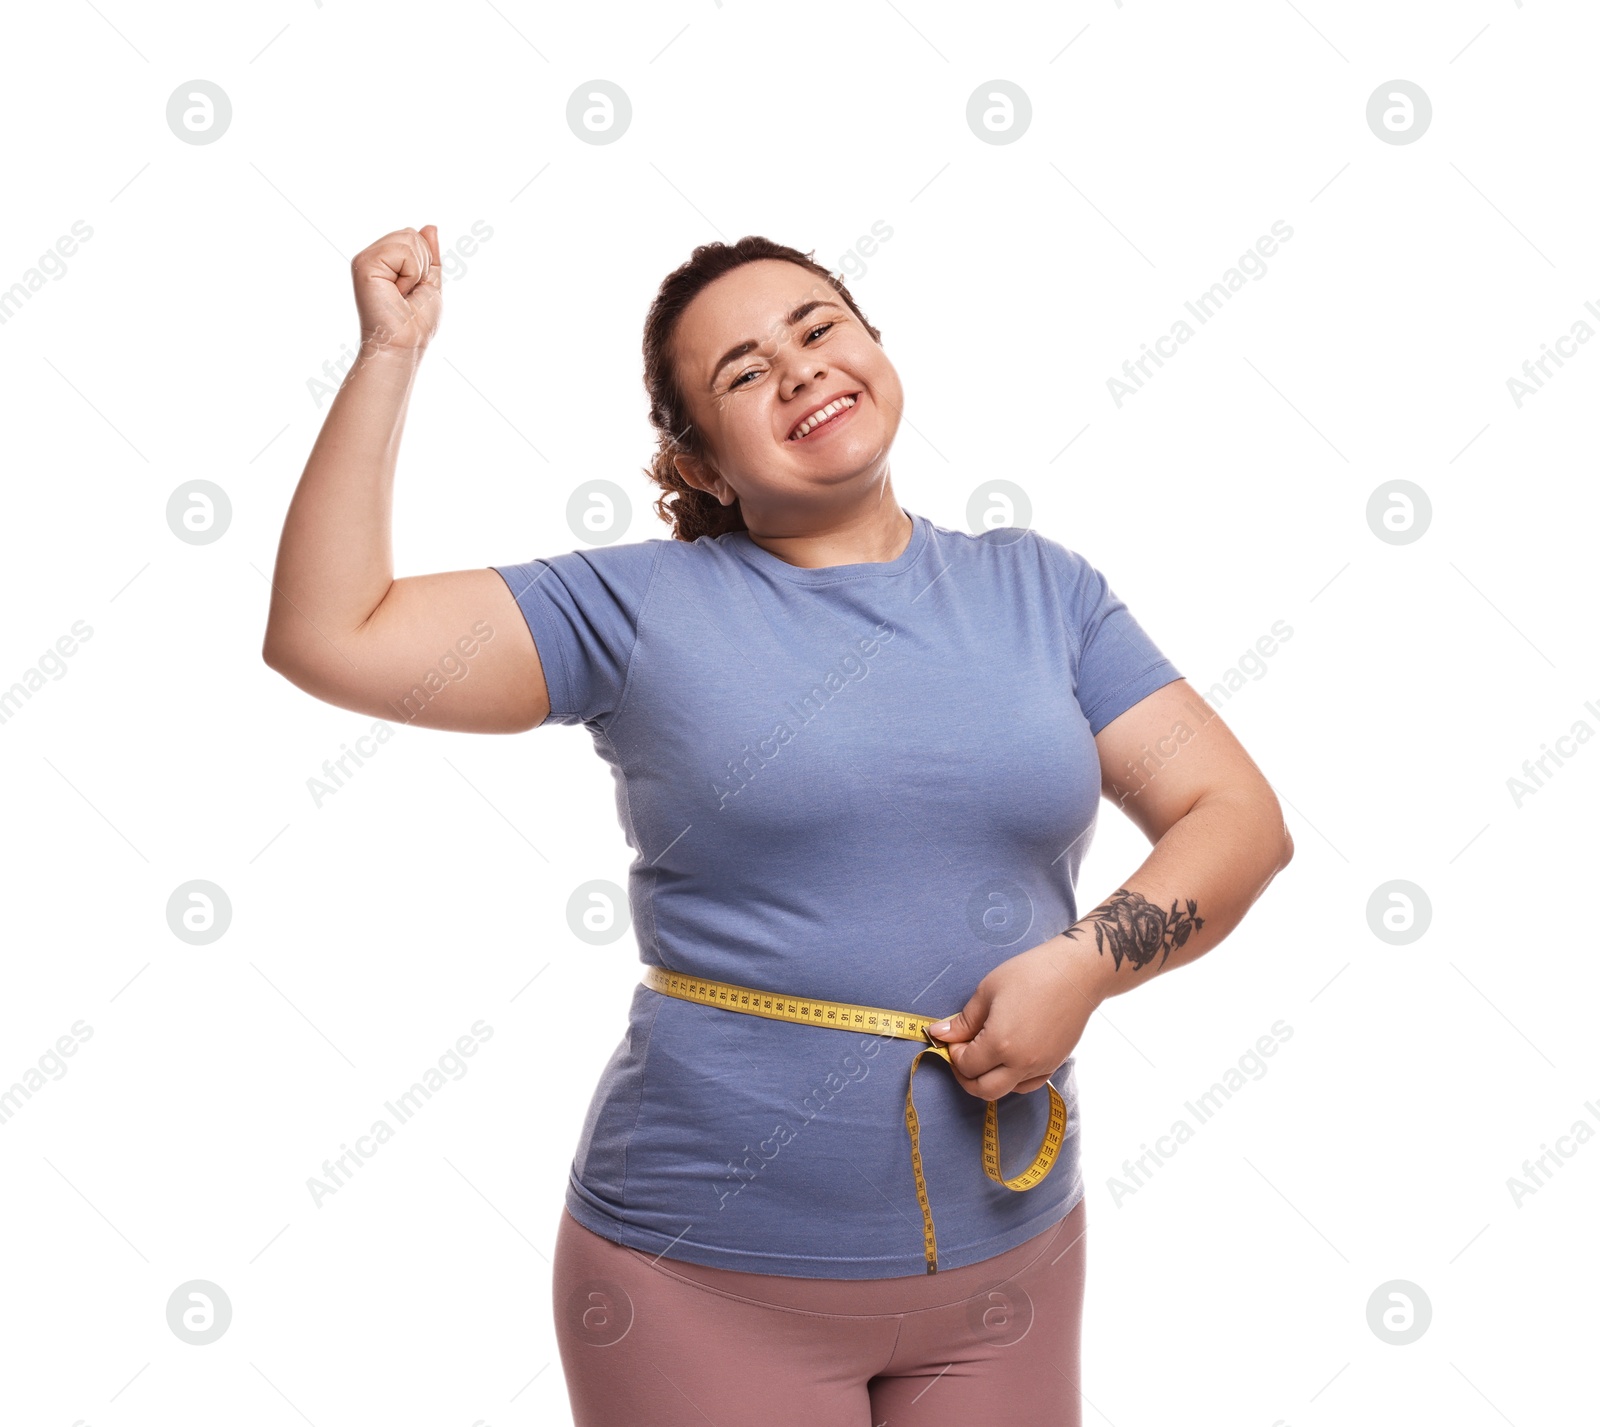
865,1297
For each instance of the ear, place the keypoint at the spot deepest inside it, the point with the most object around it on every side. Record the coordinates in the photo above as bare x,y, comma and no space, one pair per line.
699,475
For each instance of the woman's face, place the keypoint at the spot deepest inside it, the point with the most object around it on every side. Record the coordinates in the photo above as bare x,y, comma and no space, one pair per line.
756,352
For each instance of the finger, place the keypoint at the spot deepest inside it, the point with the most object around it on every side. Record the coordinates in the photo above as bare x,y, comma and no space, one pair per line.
991,1085
960,1027
385,261
422,259
409,261
1028,1086
974,1058
432,271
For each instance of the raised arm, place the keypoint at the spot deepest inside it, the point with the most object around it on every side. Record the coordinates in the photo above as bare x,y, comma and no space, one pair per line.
447,650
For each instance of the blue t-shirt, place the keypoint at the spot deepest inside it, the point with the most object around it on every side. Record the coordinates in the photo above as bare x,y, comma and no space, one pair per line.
868,783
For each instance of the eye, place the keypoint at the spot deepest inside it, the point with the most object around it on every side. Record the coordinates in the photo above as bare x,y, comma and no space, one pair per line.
738,381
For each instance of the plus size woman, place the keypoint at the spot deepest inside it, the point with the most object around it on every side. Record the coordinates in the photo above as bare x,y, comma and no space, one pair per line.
859,757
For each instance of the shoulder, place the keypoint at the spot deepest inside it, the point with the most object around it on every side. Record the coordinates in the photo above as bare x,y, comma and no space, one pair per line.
625,568
626,578
621,557
1016,551
1056,555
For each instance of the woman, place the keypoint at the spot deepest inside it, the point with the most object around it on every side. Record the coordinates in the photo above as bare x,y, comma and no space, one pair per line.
859,758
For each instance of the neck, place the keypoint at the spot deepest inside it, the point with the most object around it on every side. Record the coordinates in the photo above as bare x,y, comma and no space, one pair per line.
813,539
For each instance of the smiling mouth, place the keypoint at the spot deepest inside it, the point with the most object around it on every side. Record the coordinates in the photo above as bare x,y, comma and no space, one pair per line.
831,412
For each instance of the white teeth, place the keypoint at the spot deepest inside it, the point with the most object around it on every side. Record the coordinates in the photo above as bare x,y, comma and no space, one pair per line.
815,420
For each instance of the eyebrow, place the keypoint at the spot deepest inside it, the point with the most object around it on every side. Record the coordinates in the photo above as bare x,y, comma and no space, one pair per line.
798,315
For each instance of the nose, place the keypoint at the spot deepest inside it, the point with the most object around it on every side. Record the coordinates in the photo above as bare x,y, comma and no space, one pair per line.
805,368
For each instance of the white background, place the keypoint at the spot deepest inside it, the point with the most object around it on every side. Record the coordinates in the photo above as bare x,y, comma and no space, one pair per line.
369,932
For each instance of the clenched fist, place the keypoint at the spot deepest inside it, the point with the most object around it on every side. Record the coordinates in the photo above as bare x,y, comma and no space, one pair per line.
397,290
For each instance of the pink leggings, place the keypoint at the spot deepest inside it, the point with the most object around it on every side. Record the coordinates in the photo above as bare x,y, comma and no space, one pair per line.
657,1342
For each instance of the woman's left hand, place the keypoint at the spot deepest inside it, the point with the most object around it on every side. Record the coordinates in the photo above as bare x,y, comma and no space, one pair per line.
1023,1021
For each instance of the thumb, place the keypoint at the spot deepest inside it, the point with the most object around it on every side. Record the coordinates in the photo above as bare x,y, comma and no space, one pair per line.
962,1026
430,236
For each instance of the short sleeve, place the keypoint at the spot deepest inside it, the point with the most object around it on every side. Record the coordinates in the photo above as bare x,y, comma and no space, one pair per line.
583,608
1117,663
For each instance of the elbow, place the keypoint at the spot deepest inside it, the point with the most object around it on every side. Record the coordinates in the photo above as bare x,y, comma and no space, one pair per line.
1285,841
1271,831
1260,811
1274,829
277,658
278,644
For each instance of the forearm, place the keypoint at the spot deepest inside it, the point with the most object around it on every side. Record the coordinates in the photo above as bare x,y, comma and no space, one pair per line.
335,557
1199,880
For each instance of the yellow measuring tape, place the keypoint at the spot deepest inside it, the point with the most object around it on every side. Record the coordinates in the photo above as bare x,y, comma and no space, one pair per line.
874,1020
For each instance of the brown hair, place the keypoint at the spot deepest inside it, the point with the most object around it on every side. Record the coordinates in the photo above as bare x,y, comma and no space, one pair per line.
691,512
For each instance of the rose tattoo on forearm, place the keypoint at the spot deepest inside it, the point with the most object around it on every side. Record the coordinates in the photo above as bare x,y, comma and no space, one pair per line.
1136,929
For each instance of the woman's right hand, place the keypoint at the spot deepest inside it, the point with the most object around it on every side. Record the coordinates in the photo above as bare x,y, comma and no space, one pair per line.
397,290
